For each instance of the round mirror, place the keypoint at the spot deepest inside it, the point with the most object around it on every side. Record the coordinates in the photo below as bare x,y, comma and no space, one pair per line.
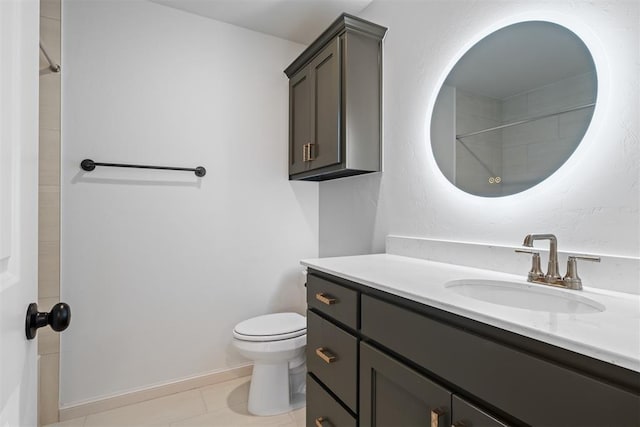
513,109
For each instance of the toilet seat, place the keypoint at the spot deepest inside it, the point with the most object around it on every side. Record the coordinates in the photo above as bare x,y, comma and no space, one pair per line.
271,327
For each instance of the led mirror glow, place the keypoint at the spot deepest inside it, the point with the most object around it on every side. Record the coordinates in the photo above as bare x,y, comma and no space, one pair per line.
513,109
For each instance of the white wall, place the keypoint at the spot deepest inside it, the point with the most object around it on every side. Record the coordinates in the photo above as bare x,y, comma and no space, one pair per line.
591,204
444,132
158,266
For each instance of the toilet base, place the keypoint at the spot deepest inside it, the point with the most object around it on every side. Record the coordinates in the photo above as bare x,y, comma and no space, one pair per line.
298,400
270,390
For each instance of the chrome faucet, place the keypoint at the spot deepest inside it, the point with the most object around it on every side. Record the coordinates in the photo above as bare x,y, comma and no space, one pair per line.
552,277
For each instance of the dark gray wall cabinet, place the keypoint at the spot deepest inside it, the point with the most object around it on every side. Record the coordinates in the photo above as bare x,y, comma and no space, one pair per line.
376,359
335,103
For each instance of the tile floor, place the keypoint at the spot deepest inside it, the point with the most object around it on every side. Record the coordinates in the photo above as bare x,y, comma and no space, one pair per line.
219,405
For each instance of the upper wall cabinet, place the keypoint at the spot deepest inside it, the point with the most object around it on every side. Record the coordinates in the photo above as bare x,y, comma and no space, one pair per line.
335,103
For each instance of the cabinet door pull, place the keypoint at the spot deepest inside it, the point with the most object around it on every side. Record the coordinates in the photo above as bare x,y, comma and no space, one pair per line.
308,152
325,299
436,415
325,355
458,424
323,422
311,152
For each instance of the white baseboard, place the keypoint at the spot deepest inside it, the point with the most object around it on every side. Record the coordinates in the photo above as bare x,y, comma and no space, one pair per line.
124,399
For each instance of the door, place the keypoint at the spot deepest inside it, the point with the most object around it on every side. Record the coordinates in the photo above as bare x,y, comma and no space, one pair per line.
392,394
19,31
324,73
314,112
299,121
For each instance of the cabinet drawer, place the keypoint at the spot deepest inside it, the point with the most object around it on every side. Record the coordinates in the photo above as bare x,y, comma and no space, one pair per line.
334,300
508,378
332,356
323,409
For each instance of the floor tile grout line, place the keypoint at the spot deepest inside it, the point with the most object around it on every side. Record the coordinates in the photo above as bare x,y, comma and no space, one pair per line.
204,402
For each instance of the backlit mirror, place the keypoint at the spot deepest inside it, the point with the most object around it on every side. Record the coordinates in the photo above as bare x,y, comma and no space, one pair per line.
513,109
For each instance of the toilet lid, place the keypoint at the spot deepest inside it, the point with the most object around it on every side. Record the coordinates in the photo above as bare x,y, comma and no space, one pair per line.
271,327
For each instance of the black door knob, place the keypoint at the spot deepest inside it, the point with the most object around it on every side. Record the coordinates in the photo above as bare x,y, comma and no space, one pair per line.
58,318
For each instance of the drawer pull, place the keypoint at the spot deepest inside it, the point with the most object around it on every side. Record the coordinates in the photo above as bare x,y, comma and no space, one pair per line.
325,355
436,415
325,299
459,424
323,422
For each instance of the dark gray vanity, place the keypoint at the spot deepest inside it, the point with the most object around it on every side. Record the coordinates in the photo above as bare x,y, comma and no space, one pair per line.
334,103
375,358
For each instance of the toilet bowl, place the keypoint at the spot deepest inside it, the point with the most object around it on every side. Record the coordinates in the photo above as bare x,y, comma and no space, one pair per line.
276,344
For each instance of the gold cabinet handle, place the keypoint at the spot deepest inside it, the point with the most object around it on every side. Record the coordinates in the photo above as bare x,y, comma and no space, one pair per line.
325,299
307,152
325,355
323,422
436,415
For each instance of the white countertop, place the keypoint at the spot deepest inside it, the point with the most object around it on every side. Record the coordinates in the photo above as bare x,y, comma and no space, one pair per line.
612,335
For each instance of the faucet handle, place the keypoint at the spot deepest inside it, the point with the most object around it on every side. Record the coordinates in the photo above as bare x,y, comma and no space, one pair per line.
536,272
571,279
585,258
526,251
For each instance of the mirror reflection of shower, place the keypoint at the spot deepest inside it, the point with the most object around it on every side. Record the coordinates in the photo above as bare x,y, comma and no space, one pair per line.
513,109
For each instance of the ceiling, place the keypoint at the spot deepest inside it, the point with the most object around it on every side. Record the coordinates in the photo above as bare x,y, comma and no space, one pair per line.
300,21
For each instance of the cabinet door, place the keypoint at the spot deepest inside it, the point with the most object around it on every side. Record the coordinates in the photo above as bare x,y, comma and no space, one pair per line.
392,394
324,73
299,119
467,415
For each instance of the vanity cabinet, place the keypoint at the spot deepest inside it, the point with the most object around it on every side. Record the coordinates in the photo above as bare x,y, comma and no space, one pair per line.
419,365
335,103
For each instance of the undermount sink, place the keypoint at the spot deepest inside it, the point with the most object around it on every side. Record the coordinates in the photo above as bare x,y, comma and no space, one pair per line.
525,296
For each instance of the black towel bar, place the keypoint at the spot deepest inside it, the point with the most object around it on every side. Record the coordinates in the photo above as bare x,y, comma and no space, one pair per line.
89,165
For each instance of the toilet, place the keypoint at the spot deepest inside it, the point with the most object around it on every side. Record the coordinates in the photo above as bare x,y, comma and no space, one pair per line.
276,344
